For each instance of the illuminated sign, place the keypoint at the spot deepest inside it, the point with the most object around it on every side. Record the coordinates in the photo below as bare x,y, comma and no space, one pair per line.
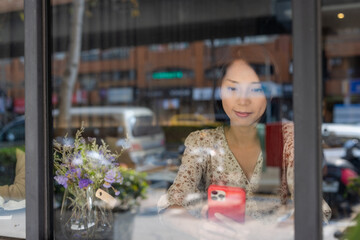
168,75
355,86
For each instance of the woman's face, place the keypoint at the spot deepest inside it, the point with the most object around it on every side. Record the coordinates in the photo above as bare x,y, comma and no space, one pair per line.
242,95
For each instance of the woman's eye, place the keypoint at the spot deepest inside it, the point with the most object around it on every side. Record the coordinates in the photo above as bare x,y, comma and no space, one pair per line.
232,89
257,90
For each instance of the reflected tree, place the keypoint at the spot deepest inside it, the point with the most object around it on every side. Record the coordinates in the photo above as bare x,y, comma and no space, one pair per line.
70,75
71,72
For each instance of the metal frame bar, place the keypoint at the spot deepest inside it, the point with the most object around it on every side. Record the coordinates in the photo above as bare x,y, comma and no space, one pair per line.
307,116
39,190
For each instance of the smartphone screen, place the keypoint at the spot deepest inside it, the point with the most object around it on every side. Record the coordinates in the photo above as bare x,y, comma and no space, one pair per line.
228,201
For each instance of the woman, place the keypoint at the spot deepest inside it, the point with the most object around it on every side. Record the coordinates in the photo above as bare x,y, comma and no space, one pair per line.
231,155
16,191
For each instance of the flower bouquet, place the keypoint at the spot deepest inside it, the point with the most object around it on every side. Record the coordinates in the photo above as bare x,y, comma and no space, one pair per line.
82,169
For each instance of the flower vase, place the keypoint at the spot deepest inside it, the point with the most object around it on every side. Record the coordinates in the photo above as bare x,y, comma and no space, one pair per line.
83,216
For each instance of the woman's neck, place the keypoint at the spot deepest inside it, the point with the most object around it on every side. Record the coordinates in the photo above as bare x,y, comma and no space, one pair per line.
242,136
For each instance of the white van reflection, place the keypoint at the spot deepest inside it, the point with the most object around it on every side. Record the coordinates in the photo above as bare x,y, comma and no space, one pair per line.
133,128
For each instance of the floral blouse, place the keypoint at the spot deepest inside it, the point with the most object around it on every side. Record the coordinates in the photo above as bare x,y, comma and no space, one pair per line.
208,160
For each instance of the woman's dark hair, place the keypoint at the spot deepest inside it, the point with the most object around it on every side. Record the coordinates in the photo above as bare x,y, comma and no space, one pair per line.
220,115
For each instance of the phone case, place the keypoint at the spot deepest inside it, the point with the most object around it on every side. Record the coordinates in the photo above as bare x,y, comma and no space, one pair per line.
228,201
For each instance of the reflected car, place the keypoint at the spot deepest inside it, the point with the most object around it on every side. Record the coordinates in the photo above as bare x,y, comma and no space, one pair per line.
191,120
335,135
13,133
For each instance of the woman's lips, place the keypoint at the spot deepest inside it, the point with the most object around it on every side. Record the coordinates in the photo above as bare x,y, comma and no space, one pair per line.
242,114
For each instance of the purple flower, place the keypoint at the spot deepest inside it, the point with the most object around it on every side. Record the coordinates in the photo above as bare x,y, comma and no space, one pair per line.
77,160
110,176
113,175
78,172
68,143
119,179
83,183
73,173
62,180
107,185
117,193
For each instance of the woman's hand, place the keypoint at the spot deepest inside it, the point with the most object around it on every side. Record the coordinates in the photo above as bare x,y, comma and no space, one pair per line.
204,211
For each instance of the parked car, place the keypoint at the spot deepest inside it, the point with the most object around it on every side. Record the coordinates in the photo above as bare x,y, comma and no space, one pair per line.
335,135
13,133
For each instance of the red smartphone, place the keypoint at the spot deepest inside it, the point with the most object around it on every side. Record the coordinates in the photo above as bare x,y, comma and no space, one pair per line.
228,201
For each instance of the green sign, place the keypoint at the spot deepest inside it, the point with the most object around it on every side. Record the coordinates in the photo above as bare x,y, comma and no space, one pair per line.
167,75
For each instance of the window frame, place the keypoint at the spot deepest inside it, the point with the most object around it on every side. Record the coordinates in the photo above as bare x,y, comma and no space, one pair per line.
307,72
39,203
307,118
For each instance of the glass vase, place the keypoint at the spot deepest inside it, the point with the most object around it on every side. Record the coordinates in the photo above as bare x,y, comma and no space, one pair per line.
83,216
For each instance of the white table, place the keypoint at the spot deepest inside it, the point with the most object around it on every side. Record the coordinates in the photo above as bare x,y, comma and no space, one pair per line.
14,227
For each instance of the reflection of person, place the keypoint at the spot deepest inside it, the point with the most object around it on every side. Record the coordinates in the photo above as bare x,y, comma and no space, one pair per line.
16,191
231,155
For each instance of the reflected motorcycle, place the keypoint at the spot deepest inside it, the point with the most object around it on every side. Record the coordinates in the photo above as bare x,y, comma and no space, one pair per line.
350,146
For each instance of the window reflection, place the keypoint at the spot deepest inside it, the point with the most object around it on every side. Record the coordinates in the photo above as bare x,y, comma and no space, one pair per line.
175,112
340,110
143,85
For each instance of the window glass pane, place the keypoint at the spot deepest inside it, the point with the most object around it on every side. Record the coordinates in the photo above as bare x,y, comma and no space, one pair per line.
195,96
12,120
340,128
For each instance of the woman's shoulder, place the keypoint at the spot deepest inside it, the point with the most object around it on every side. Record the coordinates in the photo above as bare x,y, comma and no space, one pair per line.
204,136
288,136
288,130
288,127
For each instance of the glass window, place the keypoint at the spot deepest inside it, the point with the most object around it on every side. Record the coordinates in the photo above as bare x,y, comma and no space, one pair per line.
341,109
12,121
195,97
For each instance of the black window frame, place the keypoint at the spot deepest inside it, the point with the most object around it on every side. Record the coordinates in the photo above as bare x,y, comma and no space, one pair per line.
39,191
307,118
307,107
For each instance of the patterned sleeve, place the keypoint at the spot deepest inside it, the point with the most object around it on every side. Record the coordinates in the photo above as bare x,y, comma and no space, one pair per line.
288,167
287,184
186,189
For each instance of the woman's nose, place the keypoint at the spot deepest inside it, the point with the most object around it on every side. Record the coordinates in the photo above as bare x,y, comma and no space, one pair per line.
243,98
